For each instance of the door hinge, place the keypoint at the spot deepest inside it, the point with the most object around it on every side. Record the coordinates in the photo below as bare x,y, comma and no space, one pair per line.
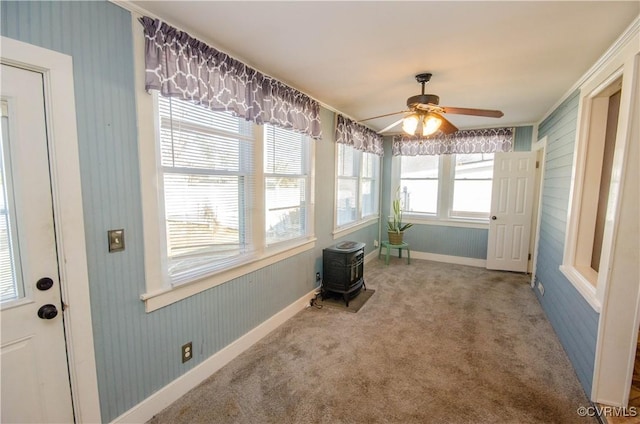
537,164
529,256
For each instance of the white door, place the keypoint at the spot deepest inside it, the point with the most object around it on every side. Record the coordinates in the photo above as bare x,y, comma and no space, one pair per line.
35,377
511,207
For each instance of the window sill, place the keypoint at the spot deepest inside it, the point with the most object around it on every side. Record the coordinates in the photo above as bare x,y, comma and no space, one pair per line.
583,285
343,231
448,222
164,297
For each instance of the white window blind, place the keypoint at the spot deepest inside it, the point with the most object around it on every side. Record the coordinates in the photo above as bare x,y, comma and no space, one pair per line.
286,170
347,193
11,285
357,185
369,184
207,167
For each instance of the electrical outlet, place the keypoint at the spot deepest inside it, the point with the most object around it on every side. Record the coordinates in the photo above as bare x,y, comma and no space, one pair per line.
375,243
318,278
187,352
540,288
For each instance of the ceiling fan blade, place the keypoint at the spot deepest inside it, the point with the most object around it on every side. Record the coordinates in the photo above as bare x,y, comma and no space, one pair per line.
446,127
475,112
387,128
382,116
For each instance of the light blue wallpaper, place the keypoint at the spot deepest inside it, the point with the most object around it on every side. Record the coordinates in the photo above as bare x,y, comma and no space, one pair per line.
573,319
523,139
139,353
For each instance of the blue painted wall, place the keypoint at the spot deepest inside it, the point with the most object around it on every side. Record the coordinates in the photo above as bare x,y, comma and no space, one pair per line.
452,241
573,319
139,353
523,139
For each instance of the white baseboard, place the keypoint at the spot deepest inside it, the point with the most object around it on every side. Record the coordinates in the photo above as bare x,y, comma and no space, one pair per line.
450,259
371,255
460,260
155,403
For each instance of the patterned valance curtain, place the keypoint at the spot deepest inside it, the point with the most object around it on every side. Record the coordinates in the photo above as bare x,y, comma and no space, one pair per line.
180,66
357,135
489,140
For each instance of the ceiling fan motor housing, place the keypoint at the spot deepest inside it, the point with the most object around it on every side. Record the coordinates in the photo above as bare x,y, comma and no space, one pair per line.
422,99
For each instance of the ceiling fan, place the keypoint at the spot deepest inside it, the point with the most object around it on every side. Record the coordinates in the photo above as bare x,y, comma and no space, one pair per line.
424,116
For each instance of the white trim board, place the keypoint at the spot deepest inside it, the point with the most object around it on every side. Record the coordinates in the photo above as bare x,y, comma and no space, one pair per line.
458,260
155,403
371,255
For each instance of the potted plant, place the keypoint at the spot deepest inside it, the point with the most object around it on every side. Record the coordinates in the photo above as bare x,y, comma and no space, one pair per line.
395,227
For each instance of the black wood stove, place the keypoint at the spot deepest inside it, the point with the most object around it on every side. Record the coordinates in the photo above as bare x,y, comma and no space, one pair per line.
343,268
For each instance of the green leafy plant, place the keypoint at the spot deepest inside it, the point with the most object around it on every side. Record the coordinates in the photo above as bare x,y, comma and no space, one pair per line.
395,224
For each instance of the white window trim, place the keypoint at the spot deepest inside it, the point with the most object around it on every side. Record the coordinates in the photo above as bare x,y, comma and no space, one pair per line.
343,230
159,292
445,215
621,63
353,227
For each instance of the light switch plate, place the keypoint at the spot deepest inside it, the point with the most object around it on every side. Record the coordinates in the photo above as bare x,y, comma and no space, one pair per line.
116,240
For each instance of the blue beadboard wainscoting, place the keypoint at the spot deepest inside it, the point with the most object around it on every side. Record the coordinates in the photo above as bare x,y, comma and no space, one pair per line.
573,319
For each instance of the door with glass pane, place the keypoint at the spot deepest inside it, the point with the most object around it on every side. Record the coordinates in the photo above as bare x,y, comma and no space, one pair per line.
35,378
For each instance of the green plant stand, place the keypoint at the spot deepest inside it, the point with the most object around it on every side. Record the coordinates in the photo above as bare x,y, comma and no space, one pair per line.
387,245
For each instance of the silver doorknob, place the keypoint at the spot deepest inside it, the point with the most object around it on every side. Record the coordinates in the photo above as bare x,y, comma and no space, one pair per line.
493,217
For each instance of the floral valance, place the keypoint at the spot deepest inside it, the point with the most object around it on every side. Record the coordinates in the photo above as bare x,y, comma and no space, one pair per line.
357,135
180,66
464,141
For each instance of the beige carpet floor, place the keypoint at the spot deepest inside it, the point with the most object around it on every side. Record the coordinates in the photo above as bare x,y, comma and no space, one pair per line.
437,343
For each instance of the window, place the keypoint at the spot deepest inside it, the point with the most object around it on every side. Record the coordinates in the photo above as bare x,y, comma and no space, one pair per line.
206,164
419,184
595,192
286,164
472,181
220,209
357,185
11,285
447,186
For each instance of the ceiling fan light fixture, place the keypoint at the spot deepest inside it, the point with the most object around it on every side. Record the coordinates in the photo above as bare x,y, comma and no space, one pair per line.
410,124
430,125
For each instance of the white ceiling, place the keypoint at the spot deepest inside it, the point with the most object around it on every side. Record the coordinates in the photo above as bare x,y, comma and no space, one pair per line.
361,57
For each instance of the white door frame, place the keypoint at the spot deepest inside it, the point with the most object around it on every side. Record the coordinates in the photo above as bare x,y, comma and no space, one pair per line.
538,145
57,71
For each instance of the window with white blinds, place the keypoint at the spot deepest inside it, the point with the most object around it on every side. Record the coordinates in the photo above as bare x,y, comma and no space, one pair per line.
11,286
357,185
286,179
206,161
230,190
